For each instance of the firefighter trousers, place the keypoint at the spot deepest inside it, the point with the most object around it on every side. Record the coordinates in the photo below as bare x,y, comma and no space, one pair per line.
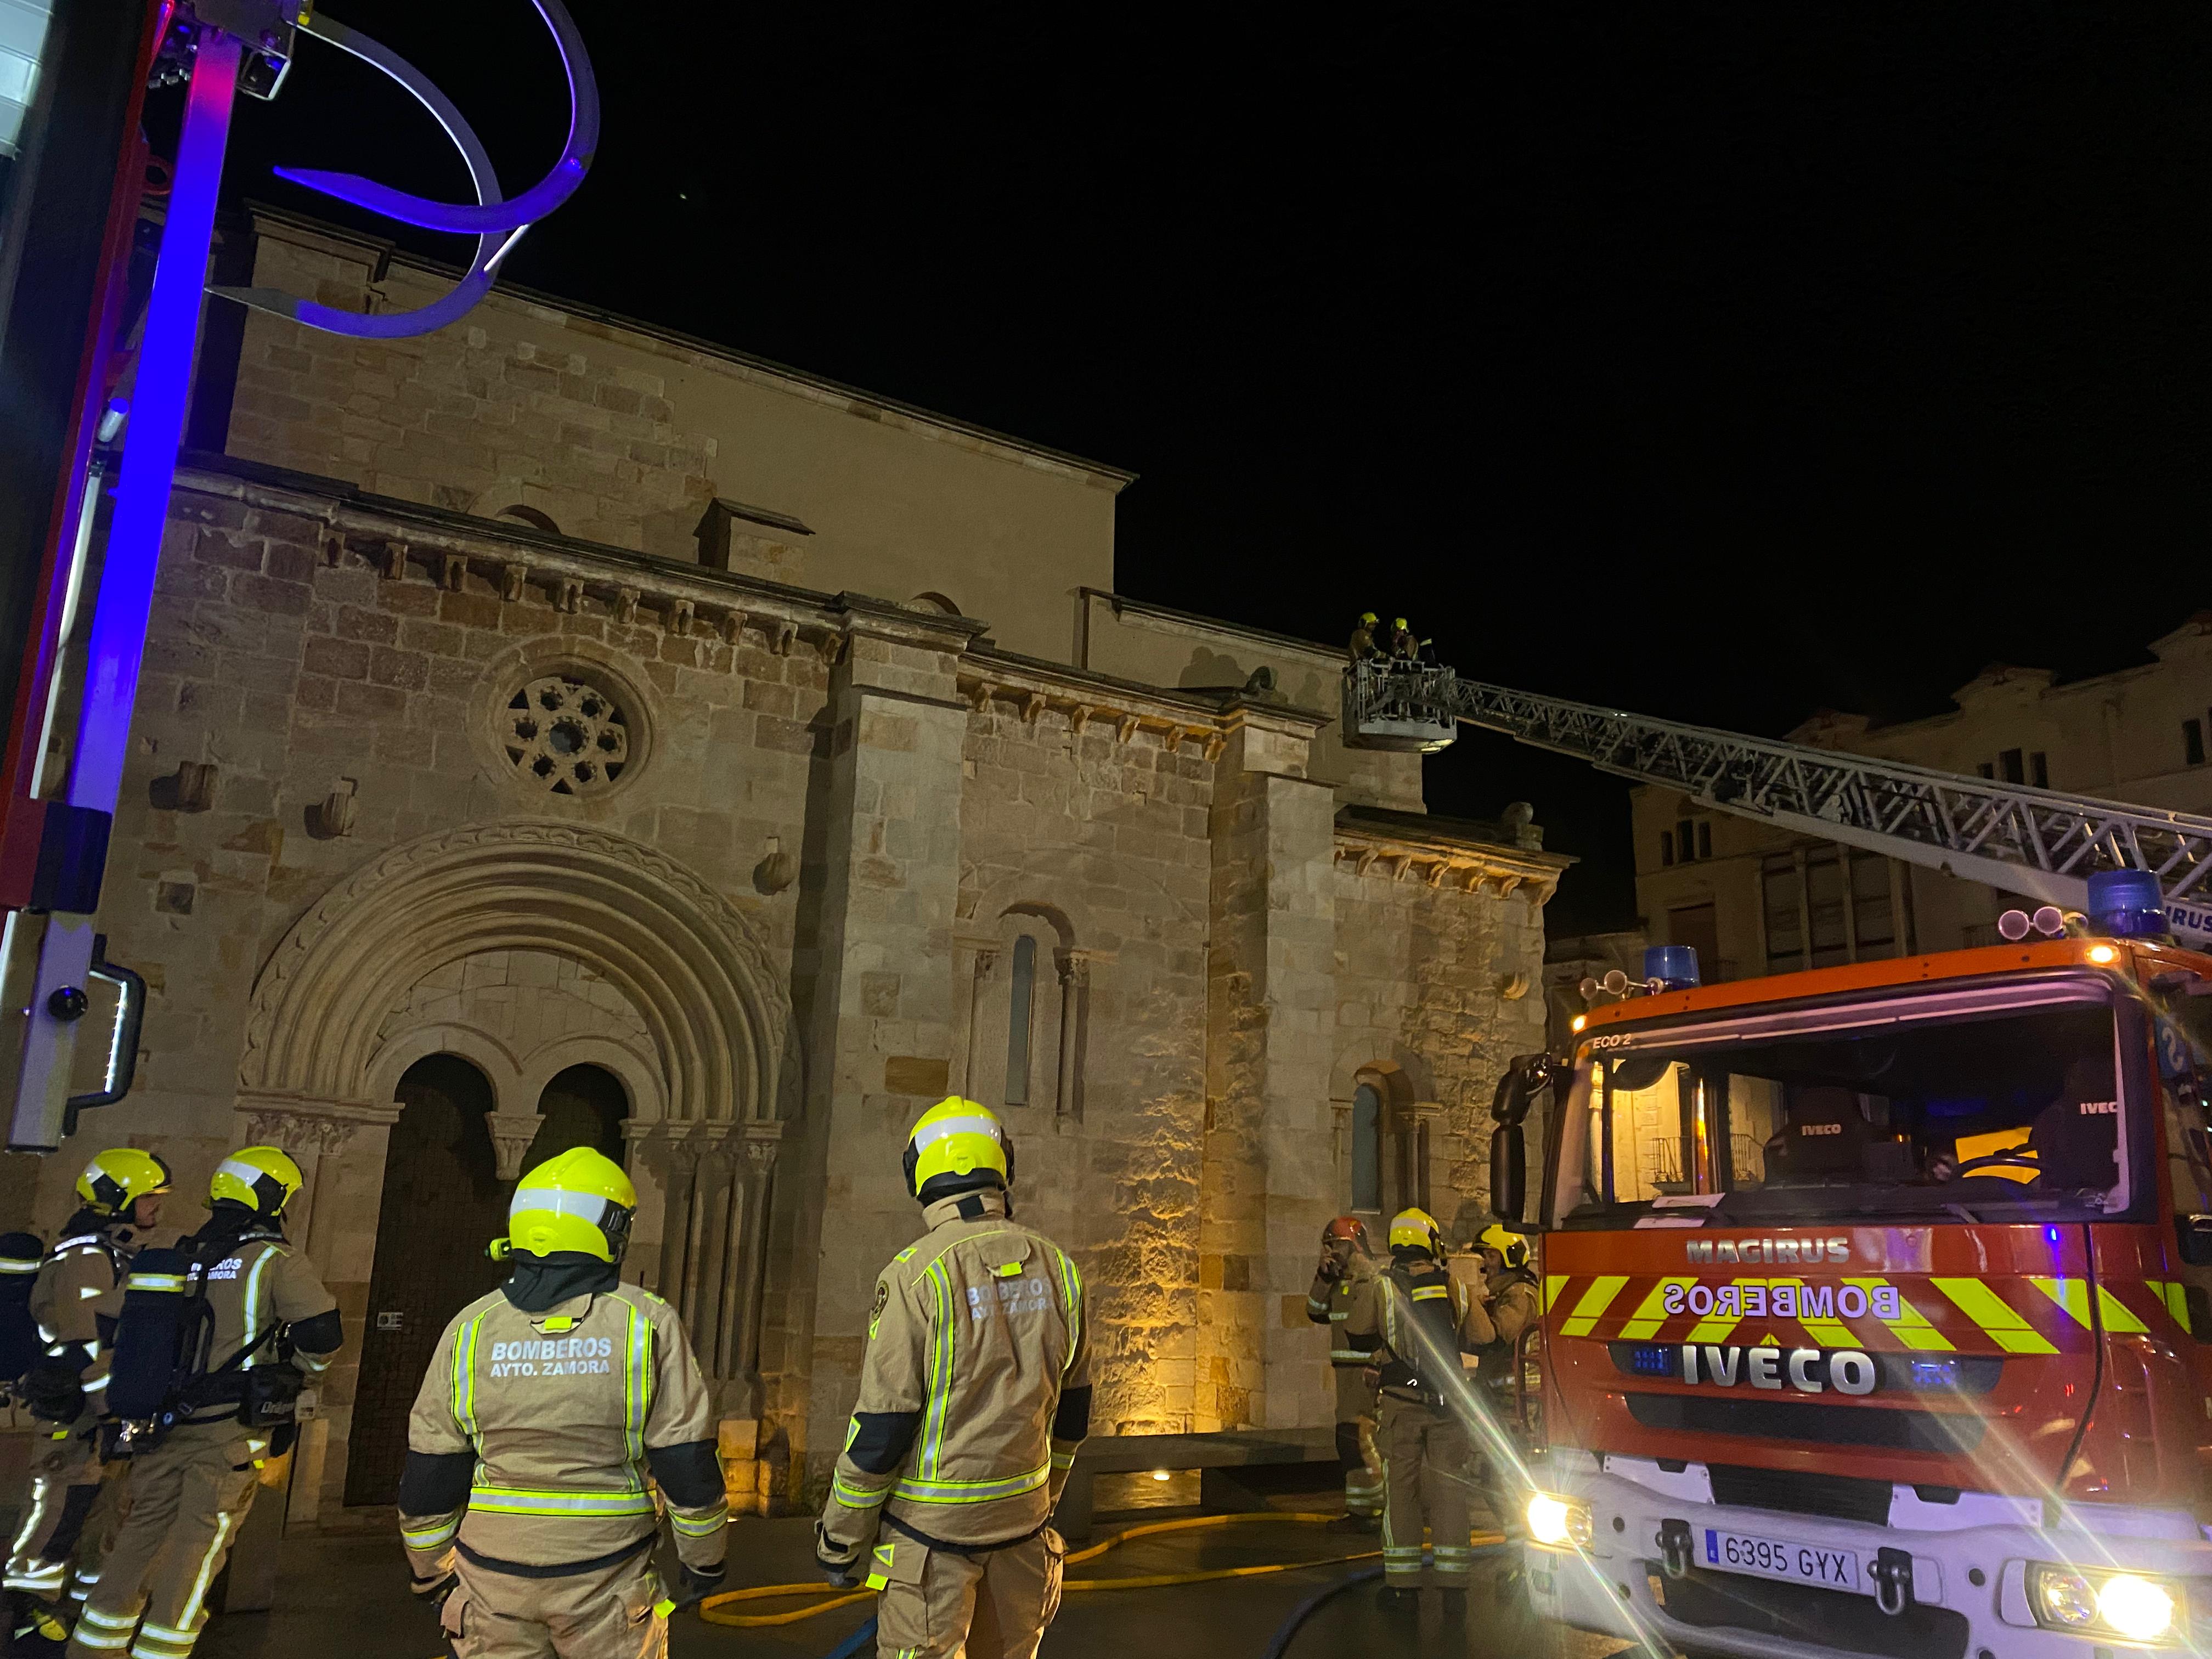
65,1508
603,1613
1355,1441
935,1603
1427,1474
188,1498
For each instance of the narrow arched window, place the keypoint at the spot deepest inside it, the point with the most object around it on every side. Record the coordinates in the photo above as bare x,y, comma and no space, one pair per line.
1023,992
1367,1148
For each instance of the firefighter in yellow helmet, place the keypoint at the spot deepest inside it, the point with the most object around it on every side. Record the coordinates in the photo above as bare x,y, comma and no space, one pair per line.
548,1405
73,1284
1422,1320
1363,638
1345,1259
974,1394
244,1322
1509,1294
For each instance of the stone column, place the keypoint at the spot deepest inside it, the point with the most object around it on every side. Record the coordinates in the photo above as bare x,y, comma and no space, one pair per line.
340,1146
987,962
1266,1180
1074,1019
884,1008
737,1348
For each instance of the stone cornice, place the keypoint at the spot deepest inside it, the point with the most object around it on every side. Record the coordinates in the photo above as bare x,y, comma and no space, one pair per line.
1079,699
1441,862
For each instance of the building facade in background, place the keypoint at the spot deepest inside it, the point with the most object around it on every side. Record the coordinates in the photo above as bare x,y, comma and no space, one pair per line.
555,731
1756,900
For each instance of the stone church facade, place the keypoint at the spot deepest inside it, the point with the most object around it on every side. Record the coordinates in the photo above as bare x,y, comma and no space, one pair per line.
555,731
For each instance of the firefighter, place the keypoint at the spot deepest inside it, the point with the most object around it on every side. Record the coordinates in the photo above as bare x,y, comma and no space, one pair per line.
1509,1299
1345,1259
523,1505
121,1190
974,1394
1363,638
1422,1320
217,1337
1404,647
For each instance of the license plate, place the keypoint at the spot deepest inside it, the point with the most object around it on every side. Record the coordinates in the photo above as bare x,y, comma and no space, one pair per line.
1779,1557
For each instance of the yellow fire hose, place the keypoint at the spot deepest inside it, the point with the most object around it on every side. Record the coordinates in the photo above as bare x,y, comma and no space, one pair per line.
711,1608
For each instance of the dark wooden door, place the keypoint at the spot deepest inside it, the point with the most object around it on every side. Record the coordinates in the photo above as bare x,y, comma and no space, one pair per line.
443,1203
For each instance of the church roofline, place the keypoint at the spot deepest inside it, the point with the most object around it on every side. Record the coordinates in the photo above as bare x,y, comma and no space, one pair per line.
870,404
1429,830
1122,603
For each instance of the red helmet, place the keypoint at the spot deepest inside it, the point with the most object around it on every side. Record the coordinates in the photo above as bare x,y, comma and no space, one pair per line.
1345,1229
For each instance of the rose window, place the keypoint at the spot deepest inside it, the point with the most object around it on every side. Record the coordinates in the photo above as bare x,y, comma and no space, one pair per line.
567,735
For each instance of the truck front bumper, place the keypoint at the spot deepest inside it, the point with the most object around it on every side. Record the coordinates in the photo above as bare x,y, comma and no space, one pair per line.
1970,1562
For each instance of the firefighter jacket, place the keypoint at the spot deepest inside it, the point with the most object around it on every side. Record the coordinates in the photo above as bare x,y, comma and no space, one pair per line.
78,1284
1512,1305
975,1387
535,1436
1421,1318
265,1306
1329,1302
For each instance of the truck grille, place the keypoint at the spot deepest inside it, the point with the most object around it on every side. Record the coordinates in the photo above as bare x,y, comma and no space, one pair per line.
1948,1432
1838,1497
1798,1612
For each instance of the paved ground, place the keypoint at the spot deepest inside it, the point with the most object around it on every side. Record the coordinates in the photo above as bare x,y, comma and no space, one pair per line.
349,1596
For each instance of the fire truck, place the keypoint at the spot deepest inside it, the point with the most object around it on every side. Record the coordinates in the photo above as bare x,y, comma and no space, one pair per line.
1901,1346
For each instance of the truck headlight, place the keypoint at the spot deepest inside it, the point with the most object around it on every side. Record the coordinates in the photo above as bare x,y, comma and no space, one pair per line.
1560,1522
2134,1606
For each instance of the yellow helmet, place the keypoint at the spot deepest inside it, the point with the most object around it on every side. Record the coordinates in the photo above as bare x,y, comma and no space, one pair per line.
119,1177
1367,616
1416,1230
960,1139
1513,1246
1397,622
578,1199
262,1178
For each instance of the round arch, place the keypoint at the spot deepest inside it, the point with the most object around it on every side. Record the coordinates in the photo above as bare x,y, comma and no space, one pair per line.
716,1009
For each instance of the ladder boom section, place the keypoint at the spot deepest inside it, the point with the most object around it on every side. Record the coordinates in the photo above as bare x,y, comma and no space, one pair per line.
2036,841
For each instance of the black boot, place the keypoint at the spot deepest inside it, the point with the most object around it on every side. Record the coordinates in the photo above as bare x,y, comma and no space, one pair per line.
1398,1600
36,1629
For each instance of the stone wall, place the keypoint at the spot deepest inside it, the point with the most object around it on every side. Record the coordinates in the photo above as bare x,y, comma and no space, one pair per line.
621,434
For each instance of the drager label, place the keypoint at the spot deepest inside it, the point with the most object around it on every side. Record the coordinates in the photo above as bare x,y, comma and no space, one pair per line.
1769,1252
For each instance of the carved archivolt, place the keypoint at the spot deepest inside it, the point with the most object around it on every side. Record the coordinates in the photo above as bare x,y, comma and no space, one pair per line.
692,965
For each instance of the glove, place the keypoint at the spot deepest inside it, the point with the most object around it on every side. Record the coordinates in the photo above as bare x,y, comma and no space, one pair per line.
431,1593
1332,1267
840,1563
699,1583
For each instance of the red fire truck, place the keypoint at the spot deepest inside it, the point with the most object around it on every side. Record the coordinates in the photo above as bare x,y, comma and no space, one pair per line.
1877,1301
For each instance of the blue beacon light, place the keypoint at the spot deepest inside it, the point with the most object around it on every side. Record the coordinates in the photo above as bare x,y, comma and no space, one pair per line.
1674,966
2127,904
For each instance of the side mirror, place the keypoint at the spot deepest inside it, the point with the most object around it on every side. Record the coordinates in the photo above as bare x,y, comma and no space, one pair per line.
1509,1173
2194,1232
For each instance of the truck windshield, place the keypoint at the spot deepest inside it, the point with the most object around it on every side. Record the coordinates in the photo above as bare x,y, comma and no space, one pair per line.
1967,1105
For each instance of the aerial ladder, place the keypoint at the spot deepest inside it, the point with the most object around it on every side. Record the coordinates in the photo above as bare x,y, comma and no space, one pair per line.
2039,843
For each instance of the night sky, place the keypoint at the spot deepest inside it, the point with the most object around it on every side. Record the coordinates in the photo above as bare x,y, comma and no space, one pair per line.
1722,363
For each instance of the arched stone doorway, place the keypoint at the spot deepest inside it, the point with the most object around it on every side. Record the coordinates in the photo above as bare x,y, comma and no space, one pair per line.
322,1055
582,1106
442,1203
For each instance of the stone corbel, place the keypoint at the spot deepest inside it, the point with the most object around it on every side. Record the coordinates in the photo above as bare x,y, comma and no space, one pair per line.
781,637
511,1135
1125,729
451,570
1033,708
513,581
568,598
1216,743
679,615
979,696
626,600
733,632
831,646
394,566
1078,718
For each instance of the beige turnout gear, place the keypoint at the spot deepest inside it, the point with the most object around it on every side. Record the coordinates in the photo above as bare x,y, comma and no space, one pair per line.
528,1455
64,1515
974,1394
189,1494
1407,1312
936,1602
1330,1302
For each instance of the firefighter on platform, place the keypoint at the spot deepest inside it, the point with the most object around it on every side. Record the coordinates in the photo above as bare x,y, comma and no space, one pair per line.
974,1394
245,1321
63,1388
1345,1259
1363,638
523,1505
1422,1320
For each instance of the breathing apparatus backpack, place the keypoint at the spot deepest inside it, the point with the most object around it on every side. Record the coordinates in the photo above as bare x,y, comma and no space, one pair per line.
160,1374
21,1255
1424,1302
